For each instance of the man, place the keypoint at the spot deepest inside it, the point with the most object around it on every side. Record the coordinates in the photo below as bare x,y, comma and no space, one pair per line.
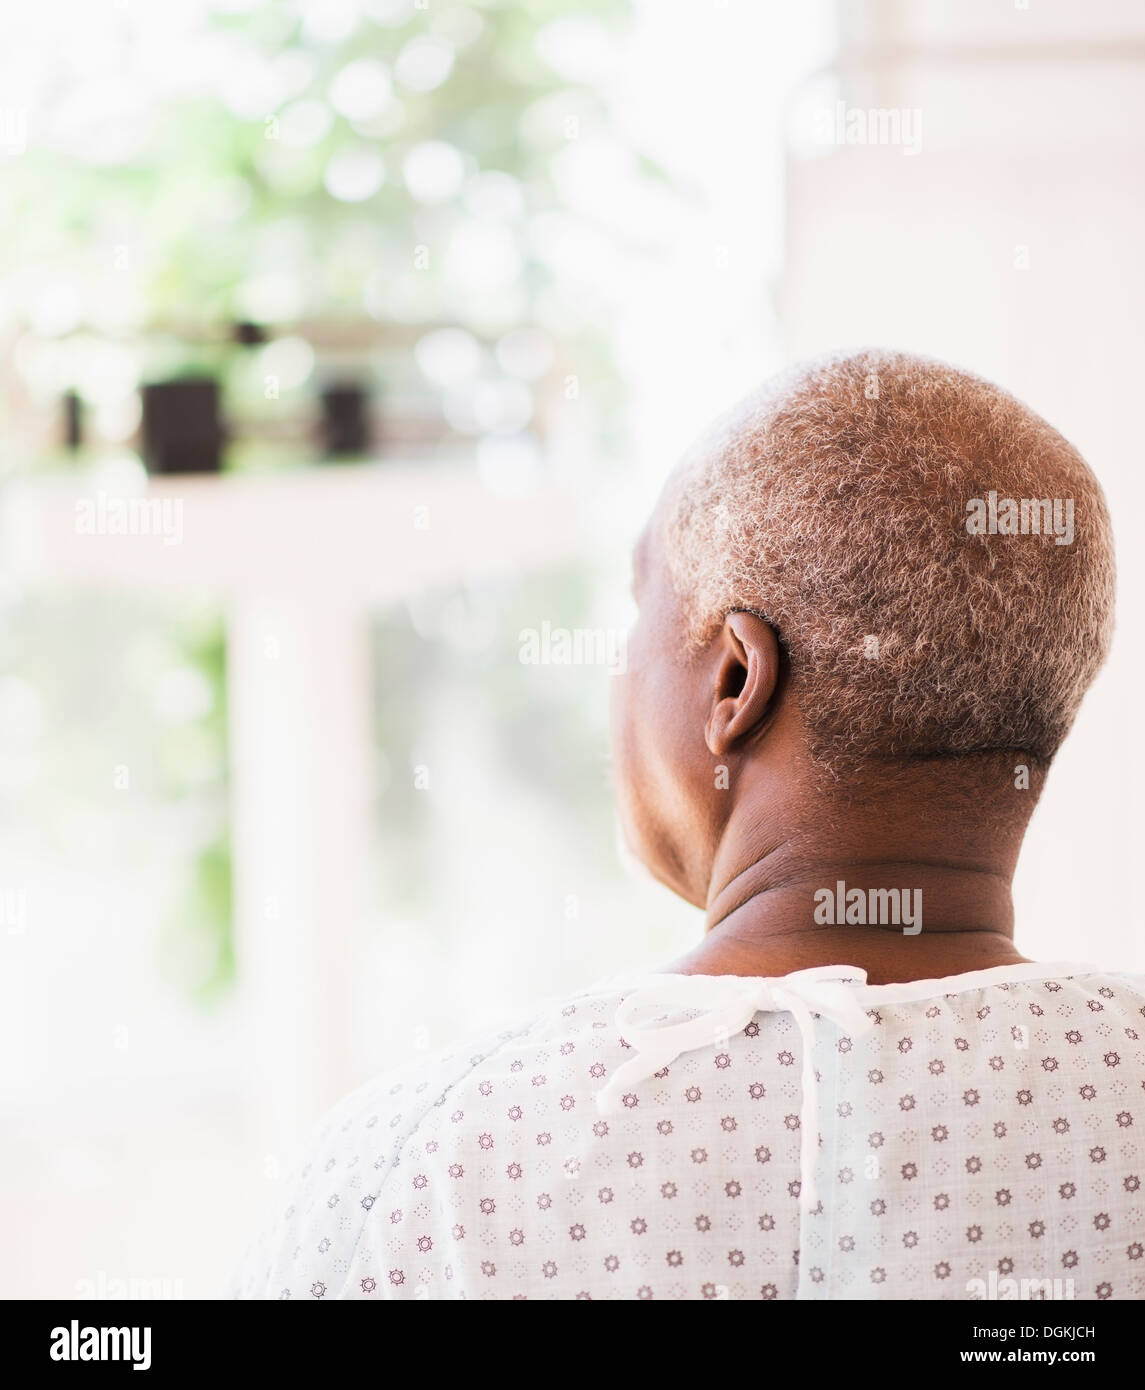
870,603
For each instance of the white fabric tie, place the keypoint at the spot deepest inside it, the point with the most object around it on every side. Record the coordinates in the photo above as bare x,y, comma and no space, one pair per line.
731,1002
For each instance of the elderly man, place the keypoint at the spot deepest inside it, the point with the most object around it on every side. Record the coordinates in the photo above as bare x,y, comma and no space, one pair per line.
870,604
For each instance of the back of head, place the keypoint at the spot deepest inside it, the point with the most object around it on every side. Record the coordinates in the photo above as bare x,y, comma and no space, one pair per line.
936,559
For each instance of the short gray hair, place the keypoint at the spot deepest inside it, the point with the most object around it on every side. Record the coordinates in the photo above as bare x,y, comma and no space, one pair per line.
834,504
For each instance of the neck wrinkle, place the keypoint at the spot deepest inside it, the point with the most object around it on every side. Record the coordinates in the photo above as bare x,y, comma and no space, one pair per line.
768,899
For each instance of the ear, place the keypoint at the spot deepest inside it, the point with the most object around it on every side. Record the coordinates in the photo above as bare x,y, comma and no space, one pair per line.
745,680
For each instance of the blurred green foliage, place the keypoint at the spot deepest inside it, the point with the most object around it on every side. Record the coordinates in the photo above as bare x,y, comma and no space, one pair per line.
249,188
113,740
453,660
357,185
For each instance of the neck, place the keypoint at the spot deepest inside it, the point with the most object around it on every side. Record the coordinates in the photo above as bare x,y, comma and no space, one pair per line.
904,892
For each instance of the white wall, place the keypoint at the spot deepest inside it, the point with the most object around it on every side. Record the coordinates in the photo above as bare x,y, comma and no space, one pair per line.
1011,245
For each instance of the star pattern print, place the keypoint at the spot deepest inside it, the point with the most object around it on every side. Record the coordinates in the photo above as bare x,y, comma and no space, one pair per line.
987,1126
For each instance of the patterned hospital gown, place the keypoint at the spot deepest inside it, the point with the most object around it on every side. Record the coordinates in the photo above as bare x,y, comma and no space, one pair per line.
706,1137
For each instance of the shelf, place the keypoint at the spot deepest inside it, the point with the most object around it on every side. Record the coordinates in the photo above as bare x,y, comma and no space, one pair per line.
357,534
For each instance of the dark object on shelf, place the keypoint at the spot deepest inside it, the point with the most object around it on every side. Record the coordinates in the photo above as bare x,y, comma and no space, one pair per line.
181,429
249,334
345,420
73,421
